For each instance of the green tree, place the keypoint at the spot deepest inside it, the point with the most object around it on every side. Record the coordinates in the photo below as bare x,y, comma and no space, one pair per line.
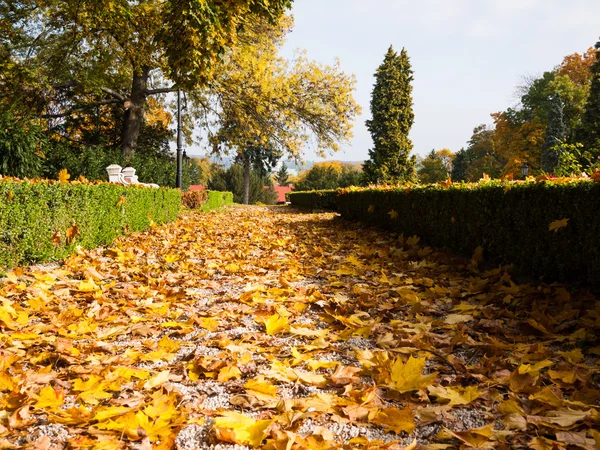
555,134
282,175
590,127
90,53
21,144
391,107
232,180
478,158
460,165
329,175
435,167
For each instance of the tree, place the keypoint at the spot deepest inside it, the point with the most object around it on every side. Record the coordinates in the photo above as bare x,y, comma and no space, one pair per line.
517,140
263,101
90,53
478,158
435,167
590,127
329,175
232,180
460,165
282,175
391,107
555,134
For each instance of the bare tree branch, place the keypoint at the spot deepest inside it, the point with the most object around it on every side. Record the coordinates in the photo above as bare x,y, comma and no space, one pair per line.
113,93
81,108
161,90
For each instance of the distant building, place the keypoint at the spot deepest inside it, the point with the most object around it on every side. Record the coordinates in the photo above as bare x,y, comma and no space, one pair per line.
197,187
281,191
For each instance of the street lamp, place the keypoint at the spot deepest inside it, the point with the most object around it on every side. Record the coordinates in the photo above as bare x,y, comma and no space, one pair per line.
525,169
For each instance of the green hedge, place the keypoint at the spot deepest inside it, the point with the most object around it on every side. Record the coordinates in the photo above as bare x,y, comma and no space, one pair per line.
322,200
216,199
509,220
31,213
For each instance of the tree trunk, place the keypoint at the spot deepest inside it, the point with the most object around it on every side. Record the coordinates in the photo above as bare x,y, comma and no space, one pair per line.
134,112
246,179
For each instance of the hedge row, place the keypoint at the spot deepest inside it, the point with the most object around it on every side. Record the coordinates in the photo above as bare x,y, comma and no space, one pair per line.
319,200
216,199
45,220
510,220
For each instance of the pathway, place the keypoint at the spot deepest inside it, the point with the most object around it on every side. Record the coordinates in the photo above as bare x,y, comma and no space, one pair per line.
265,327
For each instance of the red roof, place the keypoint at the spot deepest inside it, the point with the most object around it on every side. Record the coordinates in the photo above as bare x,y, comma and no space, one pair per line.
197,187
281,191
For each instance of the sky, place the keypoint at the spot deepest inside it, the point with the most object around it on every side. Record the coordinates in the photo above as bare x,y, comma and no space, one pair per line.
468,56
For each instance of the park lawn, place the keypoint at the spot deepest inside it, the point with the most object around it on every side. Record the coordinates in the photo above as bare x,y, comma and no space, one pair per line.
269,328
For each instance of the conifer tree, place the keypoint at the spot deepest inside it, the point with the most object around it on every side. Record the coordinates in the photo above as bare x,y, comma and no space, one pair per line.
555,134
590,126
282,175
391,107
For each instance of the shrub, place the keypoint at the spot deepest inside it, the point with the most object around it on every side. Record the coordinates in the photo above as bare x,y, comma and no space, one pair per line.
510,220
216,199
45,220
194,199
314,199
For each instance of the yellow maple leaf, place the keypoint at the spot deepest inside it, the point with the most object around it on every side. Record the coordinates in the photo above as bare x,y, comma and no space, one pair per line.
371,208
558,224
240,429
276,324
227,373
260,388
476,438
88,286
49,398
534,368
457,396
393,214
63,176
157,380
208,323
108,412
393,419
409,377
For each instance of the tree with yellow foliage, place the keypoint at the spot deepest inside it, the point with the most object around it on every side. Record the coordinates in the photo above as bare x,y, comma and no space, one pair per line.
260,100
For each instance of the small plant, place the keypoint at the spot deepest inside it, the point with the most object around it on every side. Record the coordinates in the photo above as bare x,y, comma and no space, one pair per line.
194,199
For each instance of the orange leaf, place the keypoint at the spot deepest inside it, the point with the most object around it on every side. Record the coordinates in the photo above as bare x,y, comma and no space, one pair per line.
63,176
72,233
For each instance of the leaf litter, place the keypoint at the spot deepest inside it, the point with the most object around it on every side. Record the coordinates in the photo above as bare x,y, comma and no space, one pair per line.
264,327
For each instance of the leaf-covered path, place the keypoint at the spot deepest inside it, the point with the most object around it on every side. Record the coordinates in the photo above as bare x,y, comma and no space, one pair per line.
268,328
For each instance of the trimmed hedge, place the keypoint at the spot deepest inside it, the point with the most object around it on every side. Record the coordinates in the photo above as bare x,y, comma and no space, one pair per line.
216,199
325,199
510,220
35,216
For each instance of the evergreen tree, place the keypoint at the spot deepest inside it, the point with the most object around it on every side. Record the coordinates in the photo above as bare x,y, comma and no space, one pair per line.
590,126
391,107
555,133
282,175
460,165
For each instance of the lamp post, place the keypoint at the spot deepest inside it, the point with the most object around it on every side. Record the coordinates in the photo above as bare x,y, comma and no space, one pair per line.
525,170
179,142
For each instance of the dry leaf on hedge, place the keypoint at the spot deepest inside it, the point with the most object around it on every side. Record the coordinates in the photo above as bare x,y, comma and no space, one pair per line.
558,224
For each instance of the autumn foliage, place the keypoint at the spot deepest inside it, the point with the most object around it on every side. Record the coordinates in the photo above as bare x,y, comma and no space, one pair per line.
291,331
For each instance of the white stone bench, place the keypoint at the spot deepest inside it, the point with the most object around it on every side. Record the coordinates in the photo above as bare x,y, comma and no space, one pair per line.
125,176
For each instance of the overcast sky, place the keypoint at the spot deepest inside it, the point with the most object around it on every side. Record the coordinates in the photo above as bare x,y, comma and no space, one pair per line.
468,56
